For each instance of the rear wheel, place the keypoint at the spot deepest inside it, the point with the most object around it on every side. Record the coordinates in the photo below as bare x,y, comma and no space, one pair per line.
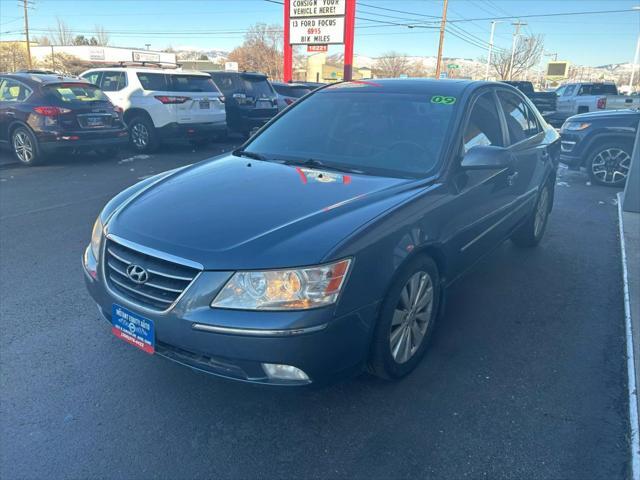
609,163
531,232
142,134
25,146
407,318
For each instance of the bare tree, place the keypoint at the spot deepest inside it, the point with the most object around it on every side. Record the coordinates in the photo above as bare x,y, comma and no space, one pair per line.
43,40
391,65
526,55
101,36
261,50
62,34
13,56
65,63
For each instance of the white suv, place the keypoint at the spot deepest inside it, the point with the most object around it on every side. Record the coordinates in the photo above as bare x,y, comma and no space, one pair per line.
160,103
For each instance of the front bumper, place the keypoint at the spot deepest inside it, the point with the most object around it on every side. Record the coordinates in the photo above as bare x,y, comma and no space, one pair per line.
317,342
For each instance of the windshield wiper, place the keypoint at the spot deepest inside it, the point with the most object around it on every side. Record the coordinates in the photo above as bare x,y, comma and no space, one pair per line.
239,152
313,162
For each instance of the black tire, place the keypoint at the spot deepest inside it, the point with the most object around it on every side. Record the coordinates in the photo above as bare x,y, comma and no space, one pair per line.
24,146
532,230
382,361
608,163
142,134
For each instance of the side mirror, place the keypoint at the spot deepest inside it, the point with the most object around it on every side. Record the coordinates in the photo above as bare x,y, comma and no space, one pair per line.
486,157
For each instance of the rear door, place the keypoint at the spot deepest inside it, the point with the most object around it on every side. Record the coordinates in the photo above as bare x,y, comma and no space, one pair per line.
525,140
202,102
566,101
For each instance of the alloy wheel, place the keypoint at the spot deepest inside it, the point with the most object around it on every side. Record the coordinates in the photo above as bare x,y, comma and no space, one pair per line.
412,317
23,146
139,135
542,210
611,165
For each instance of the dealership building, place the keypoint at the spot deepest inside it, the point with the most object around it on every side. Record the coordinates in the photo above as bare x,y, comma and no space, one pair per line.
97,55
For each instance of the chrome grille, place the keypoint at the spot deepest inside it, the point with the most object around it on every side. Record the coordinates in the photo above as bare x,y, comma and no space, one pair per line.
166,280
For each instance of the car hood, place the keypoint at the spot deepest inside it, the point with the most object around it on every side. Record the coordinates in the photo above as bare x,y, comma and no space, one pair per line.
233,213
604,114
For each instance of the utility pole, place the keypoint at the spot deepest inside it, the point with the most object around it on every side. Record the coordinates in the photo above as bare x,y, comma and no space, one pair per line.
26,32
635,65
517,24
493,29
443,25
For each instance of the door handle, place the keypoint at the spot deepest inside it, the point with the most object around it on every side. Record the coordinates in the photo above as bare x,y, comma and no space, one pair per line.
11,114
511,179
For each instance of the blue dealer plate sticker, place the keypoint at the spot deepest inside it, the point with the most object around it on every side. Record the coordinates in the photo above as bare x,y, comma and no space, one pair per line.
133,328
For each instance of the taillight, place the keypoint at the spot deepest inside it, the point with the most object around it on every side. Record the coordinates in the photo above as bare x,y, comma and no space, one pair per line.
50,111
602,103
117,109
172,99
288,101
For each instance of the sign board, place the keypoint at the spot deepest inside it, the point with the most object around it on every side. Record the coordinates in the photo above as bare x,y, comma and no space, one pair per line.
96,54
317,48
231,66
452,66
557,70
317,31
145,57
443,75
317,8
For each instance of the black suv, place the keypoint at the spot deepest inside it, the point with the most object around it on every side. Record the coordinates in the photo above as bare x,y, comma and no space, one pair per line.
43,112
250,100
602,142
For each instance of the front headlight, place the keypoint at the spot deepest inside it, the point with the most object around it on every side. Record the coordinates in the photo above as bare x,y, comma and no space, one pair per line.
96,238
573,126
290,289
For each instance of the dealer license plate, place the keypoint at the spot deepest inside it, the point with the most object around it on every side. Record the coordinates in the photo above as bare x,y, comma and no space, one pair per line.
133,328
204,104
263,104
95,121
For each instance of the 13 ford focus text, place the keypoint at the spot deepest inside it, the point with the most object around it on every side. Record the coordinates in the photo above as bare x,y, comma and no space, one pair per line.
323,246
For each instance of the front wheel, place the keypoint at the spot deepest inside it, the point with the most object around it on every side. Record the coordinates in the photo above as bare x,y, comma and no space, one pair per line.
25,146
406,321
609,164
531,232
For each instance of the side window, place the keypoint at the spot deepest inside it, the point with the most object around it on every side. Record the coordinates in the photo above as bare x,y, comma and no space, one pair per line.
113,81
569,90
93,77
225,83
585,90
12,91
521,122
153,81
483,127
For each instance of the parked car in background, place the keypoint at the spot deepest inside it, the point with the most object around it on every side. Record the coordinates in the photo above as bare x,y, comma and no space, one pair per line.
250,101
162,103
289,93
42,113
325,244
583,97
545,102
602,142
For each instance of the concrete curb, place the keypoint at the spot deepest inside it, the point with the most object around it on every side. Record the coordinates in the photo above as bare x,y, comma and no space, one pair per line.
632,343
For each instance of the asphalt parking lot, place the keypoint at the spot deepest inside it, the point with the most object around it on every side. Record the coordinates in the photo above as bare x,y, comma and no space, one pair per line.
526,376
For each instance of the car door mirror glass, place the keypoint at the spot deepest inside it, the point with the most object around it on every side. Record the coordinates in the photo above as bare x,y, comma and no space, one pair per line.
486,157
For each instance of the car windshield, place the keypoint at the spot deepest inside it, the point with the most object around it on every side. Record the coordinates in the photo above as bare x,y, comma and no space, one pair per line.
393,134
255,86
77,92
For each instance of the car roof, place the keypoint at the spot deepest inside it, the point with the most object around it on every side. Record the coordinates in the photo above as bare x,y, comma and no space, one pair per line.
44,79
170,71
411,85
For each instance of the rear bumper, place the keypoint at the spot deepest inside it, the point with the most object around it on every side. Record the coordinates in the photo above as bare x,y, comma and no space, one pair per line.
51,141
191,130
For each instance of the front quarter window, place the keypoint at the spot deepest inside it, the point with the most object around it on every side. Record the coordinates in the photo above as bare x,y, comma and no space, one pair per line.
380,133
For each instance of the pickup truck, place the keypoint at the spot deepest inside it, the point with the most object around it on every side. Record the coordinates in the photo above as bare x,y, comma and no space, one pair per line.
583,97
545,102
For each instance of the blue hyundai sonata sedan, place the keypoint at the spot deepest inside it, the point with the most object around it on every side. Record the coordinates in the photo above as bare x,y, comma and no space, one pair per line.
324,246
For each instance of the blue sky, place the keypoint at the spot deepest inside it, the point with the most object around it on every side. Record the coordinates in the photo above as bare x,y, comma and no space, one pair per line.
219,24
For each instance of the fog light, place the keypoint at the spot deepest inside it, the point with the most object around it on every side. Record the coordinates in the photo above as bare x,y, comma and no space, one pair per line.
276,371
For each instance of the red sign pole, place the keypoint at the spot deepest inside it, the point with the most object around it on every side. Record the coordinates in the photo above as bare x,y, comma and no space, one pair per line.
349,31
288,50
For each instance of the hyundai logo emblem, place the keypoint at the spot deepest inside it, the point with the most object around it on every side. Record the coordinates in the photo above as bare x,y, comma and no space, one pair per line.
137,274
